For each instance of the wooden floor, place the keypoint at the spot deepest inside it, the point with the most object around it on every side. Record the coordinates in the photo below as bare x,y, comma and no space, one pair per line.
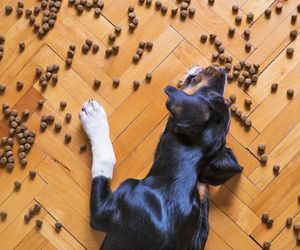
136,118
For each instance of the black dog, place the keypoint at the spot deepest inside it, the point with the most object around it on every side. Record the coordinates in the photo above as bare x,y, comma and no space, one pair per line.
164,210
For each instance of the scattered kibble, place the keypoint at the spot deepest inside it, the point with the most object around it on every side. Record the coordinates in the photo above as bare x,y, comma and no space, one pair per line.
83,147
32,174
38,224
266,245
289,221
17,185
58,226
276,169
3,215
290,93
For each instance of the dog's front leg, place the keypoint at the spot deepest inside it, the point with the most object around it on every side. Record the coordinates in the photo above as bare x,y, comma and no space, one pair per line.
102,201
94,122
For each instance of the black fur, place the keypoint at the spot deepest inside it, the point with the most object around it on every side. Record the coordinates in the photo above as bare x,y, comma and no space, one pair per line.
163,211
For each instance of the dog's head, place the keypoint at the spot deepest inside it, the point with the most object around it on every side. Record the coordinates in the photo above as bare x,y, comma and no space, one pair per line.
200,116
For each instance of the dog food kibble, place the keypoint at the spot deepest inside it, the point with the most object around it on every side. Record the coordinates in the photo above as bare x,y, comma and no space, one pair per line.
231,31
164,9
247,33
63,105
264,217
297,227
238,19
38,224
68,138
250,16
248,102
268,12
57,127
266,245
36,208
270,222
97,84
192,11
248,122
235,8
183,14
2,88
43,126
17,185
293,34
158,4
276,169
58,226
148,76
83,147
228,66
27,218
174,11
68,117
32,174
293,18
130,8
233,108
279,7
289,221
238,113
8,9
232,98
290,93
248,46
289,51
19,85
3,215
274,87
261,147
203,38
264,158
116,82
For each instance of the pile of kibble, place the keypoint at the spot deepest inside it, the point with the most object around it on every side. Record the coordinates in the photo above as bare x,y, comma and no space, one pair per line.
244,73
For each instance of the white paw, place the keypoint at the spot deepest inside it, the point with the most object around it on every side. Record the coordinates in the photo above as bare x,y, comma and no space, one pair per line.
95,125
94,120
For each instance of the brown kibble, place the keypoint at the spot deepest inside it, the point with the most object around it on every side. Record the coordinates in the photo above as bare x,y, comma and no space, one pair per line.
140,51
247,33
17,185
97,84
2,88
297,227
136,84
38,224
116,82
293,34
276,169
203,38
130,8
293,18
235,8
112,38
43,126
68,61
57,127
232,98
19,85
238,113
266,245
248,122
88,42
289,221
264,158
248,102
279,7
274,87
230,76
3,215
215,55
174,11
261,147
264,217
211,2
68,117
183,14
192,11
68,138
23,162
231,31
115,49
233,108
290,51
238,19
36,208
27,218
85,48
118,29
83,148
8,9
63,104
58,226
32,174
158,4
21,46
250,16
290,93
248,46
228,66
164,9
136,58
270,222
148,76
268,12
184,5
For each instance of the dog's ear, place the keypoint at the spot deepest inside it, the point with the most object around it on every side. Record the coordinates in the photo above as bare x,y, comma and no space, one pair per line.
175,100
222,167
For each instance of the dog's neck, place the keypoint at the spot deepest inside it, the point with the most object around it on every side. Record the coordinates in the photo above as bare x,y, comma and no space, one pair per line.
176,161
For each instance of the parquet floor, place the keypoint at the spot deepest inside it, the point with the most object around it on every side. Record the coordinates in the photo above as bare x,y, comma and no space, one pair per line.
136,118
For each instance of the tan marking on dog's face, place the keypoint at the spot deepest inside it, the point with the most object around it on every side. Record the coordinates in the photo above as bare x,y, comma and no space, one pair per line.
201,80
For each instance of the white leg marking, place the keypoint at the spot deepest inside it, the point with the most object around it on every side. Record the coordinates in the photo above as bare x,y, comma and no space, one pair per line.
95,125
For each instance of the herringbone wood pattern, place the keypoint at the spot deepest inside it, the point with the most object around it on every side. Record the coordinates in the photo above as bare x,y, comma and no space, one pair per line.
136,118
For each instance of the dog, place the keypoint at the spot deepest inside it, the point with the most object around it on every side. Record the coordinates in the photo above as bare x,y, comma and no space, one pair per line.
168,209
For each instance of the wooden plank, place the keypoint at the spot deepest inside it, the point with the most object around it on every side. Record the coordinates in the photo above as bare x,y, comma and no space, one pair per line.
72,221
279,199
282,154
